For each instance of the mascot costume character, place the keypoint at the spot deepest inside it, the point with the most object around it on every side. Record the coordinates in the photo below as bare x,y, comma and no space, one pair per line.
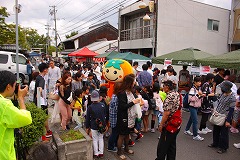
115,70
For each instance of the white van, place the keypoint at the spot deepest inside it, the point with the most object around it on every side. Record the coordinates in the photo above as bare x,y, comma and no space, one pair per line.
8,62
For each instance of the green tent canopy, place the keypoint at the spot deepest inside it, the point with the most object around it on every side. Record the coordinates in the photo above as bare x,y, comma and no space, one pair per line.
188,56
107,55
130,56
230,60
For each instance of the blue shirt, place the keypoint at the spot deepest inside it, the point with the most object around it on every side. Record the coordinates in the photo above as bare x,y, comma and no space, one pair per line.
144,79
95,111
29,69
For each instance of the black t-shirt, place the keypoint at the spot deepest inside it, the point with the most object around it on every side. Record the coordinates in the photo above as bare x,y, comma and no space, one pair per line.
218,79
40,82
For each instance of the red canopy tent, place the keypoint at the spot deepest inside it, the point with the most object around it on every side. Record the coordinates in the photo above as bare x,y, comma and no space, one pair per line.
85,52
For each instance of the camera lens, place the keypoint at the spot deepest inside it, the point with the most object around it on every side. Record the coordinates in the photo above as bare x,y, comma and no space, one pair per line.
16,88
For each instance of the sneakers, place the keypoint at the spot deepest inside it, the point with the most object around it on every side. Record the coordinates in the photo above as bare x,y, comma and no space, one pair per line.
112,150
207,130
234,130
152,130
237,145
212,145
188,132
67,127
202,132
140,135
131,143
44,138
220,151
49,134
100,156
198,138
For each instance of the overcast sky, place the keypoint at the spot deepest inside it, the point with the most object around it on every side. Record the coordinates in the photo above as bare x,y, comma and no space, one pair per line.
71,13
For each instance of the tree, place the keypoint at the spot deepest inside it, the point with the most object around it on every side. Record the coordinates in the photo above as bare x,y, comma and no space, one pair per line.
28,37
51,49
73,33
4,28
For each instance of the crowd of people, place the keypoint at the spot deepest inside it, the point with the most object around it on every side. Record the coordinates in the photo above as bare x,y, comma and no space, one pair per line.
78,97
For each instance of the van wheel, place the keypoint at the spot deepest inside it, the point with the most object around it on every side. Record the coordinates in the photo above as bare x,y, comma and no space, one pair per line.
21,78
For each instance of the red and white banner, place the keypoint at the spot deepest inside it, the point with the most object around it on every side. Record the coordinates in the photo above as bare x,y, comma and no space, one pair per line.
204,70
99,59
167,62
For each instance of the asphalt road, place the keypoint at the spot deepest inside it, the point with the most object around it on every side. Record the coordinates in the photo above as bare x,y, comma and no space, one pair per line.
187,148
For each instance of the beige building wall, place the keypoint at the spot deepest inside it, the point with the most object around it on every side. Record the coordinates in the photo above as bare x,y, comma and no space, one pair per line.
183,24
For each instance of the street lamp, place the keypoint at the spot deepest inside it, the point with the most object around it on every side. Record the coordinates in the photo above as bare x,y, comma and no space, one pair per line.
147,18
17,10
142,5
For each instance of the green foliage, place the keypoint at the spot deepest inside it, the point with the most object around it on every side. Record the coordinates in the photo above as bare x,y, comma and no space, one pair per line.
71,135
51,49
34,131
28,37
73,33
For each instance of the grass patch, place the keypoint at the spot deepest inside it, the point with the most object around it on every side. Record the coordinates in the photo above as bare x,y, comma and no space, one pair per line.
71,135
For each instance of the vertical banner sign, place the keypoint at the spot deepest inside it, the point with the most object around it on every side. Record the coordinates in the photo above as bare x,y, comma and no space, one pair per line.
204,70
195,70
167,63
151,6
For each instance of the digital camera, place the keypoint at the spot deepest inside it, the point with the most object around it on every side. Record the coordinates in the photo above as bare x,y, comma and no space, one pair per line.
16,88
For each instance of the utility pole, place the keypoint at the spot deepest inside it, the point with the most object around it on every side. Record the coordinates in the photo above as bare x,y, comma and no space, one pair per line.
17,10
53,12
47,43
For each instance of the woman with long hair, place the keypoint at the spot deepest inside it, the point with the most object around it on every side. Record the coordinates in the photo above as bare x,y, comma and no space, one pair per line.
64,103
126,100
195,101
207,105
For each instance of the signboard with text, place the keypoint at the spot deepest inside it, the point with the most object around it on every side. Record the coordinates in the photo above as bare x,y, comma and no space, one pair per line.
204,70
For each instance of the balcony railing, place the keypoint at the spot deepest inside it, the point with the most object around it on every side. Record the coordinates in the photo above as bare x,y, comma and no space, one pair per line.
137,33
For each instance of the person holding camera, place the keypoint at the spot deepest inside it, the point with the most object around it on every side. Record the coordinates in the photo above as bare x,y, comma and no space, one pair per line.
10,116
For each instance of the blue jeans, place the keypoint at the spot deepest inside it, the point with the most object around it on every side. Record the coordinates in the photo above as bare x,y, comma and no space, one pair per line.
193,120
112,141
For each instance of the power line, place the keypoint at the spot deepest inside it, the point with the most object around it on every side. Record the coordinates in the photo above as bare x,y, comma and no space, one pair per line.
64,4
59,3
98,16
97,21
87,17
85,11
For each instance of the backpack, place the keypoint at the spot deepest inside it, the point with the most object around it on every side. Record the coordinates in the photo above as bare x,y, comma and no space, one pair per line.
152,103
101,128
113,108
186,101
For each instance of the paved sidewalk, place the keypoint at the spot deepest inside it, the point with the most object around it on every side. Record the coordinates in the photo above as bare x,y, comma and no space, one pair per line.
107,155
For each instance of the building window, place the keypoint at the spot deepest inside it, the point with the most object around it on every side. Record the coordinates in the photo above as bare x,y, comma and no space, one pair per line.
3,58
213,25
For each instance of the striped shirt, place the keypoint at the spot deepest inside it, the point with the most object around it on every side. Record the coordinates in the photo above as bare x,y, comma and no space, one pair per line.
113,109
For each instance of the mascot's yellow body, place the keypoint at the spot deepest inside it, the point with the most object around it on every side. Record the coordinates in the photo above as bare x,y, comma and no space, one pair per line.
114,71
